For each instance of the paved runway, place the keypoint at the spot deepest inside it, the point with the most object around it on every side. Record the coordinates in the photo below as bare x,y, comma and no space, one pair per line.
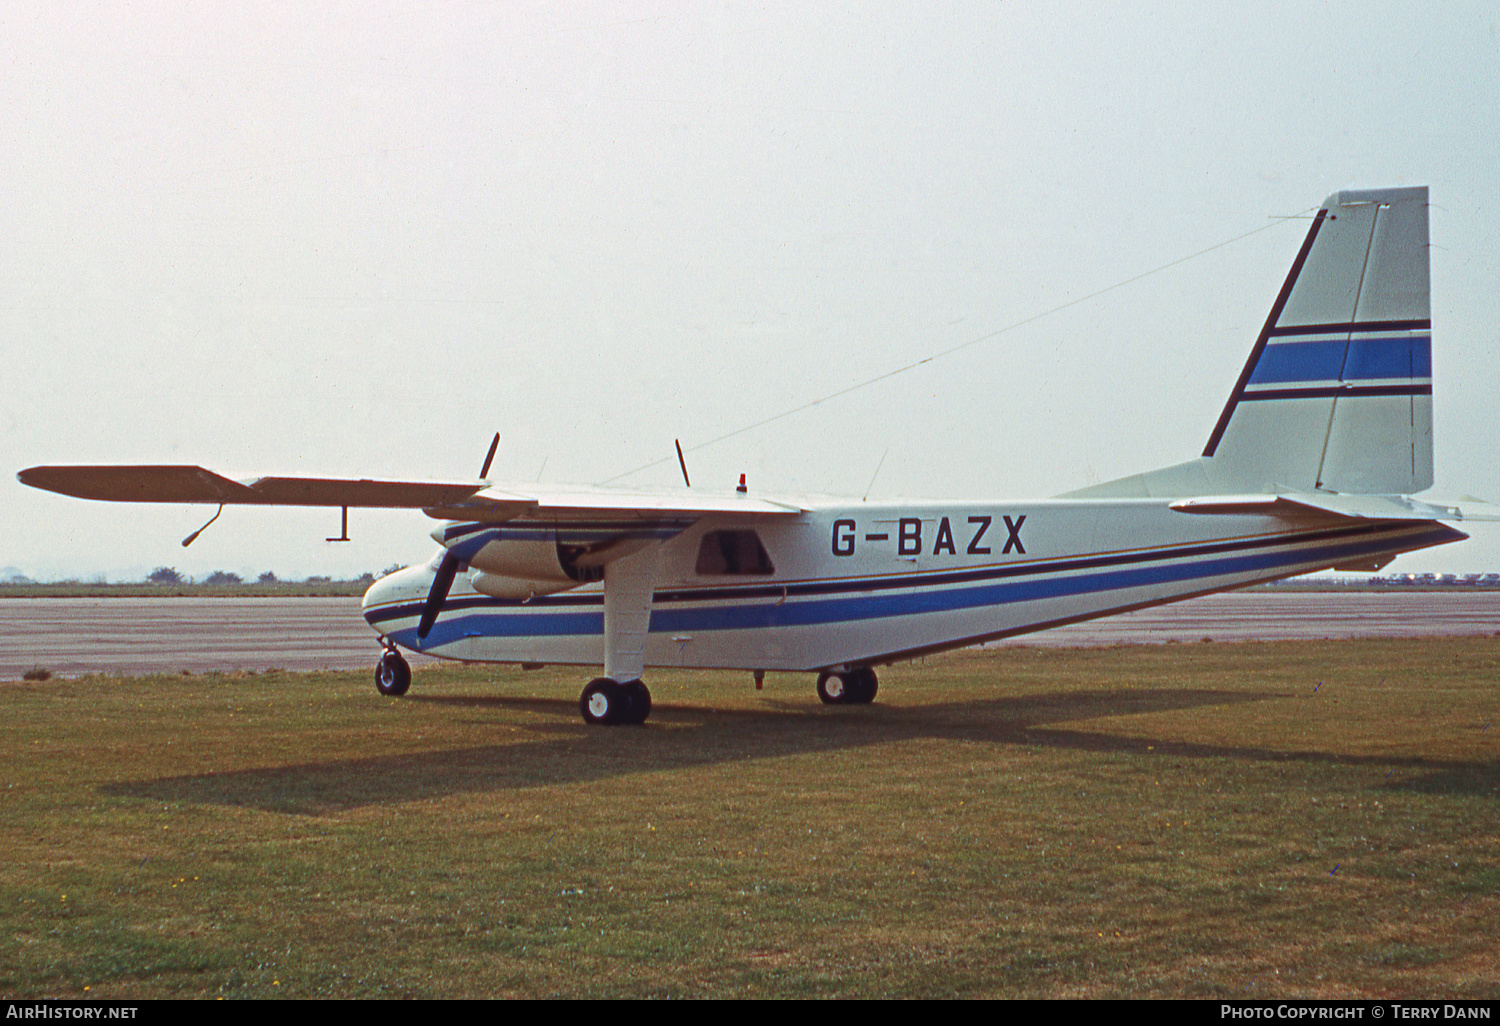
168,635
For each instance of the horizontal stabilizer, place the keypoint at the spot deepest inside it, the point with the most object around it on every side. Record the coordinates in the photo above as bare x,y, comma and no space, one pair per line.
1355,507
1471,508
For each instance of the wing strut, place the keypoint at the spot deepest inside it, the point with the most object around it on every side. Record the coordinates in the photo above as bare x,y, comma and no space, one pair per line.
628,586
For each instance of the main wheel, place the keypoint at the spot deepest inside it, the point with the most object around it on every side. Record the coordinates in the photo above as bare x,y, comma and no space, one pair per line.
392,675
639,697
833,688
862,685
605,702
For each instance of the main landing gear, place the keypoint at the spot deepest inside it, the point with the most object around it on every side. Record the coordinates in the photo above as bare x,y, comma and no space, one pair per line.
608,702
848,687
392,674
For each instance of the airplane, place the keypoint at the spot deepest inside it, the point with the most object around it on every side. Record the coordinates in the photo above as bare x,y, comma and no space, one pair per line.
1310,466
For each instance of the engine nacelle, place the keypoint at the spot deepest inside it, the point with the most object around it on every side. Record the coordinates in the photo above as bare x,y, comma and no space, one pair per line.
534,557
498,586
528,560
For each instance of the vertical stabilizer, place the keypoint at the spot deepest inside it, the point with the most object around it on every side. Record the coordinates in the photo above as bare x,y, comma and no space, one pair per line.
1337,393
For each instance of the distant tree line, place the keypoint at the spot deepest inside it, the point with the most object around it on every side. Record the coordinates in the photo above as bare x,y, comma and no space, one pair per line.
167,575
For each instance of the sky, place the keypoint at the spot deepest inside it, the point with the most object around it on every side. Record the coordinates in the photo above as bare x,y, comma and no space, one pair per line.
359,239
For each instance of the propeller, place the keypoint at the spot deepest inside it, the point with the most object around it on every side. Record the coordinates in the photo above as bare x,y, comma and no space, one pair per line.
442,581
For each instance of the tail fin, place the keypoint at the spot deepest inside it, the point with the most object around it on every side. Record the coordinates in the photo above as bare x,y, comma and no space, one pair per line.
1337,393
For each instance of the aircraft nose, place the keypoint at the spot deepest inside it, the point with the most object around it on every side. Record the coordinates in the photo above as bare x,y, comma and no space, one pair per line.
376,594
406,585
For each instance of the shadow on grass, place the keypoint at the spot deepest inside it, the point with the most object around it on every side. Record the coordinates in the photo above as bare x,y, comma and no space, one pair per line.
1478,780
685,736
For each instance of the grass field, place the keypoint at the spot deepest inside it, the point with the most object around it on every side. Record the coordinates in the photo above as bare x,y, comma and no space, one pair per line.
1311,819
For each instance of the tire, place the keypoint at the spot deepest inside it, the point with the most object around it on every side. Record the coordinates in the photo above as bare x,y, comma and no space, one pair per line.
863,685
833,688
392,675
604,702
639,698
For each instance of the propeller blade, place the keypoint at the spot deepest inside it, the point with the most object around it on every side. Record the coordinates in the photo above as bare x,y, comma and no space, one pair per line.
485,470
442,581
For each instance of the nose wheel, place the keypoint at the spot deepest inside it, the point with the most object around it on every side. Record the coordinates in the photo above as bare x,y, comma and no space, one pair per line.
392,674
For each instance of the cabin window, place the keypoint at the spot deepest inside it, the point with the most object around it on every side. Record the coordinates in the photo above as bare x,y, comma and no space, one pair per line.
733,552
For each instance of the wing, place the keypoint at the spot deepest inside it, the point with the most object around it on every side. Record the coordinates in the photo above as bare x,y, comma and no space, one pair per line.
495,505
476,501
195,484
553,538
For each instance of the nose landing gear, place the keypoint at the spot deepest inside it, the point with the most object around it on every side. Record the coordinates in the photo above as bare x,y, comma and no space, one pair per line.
392,673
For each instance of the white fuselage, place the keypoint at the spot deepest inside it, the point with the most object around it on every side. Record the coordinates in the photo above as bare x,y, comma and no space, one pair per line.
855,583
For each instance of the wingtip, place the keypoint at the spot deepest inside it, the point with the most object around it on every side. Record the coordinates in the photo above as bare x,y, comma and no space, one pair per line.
38,477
